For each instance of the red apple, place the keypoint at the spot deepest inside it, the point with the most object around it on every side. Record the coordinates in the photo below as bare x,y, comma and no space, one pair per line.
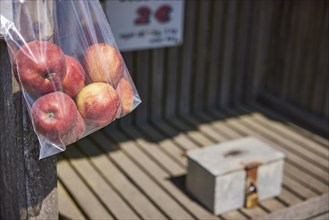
54,115
74,79
98,103
78,129
126,94
103,63
40,66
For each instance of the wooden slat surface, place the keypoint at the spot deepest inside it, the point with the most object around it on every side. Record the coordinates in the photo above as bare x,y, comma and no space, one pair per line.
143,167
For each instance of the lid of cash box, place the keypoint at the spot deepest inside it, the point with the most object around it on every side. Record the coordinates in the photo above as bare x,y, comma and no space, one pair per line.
234,155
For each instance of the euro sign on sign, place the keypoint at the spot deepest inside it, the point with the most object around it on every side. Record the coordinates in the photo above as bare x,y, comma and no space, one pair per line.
146,24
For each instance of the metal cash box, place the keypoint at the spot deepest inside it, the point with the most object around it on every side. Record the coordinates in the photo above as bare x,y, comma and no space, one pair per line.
234,174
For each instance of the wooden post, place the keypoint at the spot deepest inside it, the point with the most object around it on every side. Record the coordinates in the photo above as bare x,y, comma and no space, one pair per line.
27,184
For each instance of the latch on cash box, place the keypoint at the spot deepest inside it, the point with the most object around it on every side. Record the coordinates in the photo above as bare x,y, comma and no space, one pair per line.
251,193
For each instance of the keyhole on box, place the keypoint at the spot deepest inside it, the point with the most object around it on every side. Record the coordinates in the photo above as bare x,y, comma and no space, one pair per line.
252,188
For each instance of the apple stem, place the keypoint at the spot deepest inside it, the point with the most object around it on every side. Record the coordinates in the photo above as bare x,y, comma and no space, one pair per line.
51,114
51,76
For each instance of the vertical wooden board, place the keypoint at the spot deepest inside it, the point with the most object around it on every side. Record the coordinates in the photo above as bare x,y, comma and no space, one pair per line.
265,10
66,206
304,74
322,68
278,33
200,65
254,20
288,50
244,25
313,39
172,88
142,82
184,81
155,106
27,184
297,62
228,57
12,179
276,45
215,60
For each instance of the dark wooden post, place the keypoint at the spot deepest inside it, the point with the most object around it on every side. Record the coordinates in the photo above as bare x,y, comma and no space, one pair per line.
27,184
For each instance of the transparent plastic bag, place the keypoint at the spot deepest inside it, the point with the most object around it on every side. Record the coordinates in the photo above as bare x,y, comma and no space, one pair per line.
71,73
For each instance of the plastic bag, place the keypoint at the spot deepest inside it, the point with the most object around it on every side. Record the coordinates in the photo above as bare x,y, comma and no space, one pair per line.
71,73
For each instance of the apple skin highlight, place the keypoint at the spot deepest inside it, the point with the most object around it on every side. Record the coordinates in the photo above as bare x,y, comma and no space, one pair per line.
40,66
98,103
103,63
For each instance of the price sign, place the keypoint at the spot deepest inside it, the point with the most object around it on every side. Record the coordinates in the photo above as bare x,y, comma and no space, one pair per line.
145,24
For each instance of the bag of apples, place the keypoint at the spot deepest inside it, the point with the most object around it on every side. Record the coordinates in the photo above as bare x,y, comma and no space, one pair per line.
71,73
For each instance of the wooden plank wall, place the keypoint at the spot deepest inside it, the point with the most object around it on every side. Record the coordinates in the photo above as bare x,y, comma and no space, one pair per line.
297,70
232,52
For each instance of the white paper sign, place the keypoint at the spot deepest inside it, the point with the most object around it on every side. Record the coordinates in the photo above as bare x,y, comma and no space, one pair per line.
144,24
6,15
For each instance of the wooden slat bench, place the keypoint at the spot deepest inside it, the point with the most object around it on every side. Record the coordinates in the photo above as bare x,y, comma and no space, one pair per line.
149,162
